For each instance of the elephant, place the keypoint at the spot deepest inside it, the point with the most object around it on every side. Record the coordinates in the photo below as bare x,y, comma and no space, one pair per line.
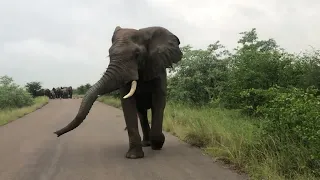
55,92
64,93
69,90
53,95
48,93
58,92
138,62
39,93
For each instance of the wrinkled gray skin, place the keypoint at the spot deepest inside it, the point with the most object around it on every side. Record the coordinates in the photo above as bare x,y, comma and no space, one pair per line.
142,55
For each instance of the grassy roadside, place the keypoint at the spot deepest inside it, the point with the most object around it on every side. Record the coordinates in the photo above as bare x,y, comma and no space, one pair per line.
223,134
110,101
9,115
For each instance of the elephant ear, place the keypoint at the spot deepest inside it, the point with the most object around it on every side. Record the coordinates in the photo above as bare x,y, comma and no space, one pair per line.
162,51
114,32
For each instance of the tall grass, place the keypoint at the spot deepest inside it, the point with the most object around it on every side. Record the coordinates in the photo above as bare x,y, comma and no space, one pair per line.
226,135
10,114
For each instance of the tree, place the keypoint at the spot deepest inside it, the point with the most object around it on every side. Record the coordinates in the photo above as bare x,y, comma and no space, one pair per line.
199,68
6,80
83,88
87,87
12,95
33,87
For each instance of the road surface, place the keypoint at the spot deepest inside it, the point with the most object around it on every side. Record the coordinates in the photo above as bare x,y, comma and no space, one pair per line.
94,151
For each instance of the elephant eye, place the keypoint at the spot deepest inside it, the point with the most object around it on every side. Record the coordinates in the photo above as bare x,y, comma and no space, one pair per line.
135,38
136,53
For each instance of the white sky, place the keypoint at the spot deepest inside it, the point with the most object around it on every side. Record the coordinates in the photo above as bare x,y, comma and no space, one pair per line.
42,40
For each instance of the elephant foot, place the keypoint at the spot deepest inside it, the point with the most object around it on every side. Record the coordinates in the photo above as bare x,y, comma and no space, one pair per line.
157,141
135,153
145,143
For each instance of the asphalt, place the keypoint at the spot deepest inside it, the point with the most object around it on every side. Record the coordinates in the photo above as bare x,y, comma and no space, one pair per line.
95,150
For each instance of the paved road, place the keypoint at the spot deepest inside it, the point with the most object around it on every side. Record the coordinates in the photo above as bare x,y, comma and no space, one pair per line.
94,151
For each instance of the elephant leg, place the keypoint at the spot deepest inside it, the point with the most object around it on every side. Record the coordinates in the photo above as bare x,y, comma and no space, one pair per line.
143,117
130,115
157,137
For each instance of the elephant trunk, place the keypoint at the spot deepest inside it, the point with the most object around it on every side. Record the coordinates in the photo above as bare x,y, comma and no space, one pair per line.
106,84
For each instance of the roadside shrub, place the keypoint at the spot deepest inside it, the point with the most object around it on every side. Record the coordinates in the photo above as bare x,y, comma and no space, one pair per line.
12,95
200,76
293,126
252,99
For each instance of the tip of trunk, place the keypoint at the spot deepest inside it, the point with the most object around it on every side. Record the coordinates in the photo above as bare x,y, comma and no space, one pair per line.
104,85
84,109
57,133
72,125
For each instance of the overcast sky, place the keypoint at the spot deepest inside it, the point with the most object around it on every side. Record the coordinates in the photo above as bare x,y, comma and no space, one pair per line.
65,42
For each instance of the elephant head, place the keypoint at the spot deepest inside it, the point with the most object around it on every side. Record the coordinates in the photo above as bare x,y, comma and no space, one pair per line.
135,55
58,92
47,92
64,93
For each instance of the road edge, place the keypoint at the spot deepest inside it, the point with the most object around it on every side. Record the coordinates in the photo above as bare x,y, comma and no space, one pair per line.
33,108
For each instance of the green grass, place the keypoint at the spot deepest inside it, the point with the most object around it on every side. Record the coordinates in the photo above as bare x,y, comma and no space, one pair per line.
110,101
225,135
9,115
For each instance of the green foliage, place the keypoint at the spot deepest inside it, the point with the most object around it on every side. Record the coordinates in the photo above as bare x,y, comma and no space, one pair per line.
6,80
8,115
33,88
200,76
82,89
265,82
252,99
13,96
293,122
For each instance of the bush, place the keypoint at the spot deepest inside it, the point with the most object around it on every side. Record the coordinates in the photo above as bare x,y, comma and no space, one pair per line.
253,99
293,126
34,88
82,89
13,96
200,76
264,82
8,115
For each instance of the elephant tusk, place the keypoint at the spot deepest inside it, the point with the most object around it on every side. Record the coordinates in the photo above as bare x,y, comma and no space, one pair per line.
132,90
